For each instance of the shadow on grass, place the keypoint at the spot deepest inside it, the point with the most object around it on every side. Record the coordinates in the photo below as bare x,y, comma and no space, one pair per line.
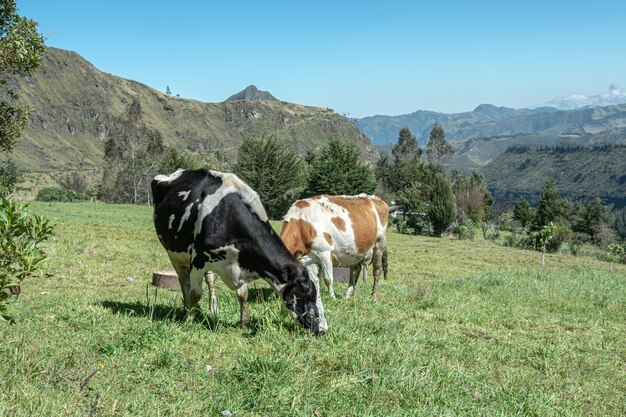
160,312
209,320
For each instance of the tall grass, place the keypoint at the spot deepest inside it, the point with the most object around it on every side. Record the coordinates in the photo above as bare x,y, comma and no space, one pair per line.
460,328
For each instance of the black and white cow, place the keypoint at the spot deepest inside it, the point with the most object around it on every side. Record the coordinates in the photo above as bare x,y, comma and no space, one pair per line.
213,221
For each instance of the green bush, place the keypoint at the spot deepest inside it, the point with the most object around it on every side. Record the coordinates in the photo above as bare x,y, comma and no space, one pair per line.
21,232
60,194
465,230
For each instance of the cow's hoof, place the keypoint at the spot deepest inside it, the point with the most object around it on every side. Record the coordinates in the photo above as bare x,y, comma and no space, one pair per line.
350,292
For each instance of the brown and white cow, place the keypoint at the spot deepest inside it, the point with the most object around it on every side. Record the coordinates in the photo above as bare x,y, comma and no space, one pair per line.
349,231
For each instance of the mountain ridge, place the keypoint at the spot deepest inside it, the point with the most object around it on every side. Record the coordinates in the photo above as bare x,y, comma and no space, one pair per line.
487,120
76,106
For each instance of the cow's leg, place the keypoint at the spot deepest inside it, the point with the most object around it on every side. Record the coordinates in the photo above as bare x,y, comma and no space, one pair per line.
182,270
355,271
378,266
209,277
242,296
195,287
365,266
327,272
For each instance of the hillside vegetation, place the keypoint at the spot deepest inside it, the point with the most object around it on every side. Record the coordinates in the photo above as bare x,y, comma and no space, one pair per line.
580,173
76,106
460,328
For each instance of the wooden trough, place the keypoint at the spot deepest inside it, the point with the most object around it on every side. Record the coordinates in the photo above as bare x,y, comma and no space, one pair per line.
167,278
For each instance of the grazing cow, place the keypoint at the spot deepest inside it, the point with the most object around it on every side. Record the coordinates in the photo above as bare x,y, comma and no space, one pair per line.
347,231
212,221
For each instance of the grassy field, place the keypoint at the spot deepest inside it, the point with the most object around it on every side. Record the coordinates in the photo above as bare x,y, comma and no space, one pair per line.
460,328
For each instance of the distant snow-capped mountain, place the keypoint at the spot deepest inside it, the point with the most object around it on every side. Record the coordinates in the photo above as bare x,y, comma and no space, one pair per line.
615,95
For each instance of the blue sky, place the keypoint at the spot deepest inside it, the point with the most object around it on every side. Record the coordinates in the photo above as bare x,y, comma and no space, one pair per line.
358,58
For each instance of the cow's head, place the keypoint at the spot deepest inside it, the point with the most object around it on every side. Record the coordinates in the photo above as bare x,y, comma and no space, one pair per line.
302,299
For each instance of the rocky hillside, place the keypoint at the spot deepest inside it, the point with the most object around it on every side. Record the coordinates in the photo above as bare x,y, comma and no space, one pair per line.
76,105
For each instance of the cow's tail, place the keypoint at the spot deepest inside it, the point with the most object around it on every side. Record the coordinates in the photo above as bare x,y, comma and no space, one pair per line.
385,262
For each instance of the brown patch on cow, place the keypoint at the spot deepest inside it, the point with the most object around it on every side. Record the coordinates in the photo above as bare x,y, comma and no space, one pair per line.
298,235
316,197
328,238
363,218
382,209
302,204
339,223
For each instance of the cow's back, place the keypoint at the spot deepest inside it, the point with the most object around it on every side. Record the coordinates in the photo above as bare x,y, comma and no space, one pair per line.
350,226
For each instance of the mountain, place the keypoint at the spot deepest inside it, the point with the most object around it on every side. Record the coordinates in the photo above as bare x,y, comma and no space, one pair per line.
474,154
487,121
251,93
580,172
76,105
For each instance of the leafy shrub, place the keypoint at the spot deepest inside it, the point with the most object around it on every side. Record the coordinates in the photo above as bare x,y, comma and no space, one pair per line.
465,230
491,231
21,232
59,194
617,252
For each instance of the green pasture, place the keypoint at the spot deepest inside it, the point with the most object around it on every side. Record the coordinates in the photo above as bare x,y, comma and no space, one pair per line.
460,328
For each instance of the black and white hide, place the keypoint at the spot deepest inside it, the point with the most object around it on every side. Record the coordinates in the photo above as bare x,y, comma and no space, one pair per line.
213,221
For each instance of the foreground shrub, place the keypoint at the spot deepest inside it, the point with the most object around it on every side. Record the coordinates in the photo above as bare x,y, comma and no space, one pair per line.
21,232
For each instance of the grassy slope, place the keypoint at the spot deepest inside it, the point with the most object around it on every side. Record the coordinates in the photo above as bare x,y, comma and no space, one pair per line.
460,328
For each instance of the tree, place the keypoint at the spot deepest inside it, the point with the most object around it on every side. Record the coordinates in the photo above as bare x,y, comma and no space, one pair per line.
405,168
21,47
617,253
523,212
472,197
406,150
542,238
438,150
9,176
132,154
442,207
21,231
551,207
590,219
413,204
275,172
173,159
168,91
337,169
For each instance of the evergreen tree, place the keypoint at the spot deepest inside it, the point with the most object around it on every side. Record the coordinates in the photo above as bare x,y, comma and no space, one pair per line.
591,218
132,154
406,166
168,91
442,207
438,150
406,150
273,171
523,212
551,208
337,169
